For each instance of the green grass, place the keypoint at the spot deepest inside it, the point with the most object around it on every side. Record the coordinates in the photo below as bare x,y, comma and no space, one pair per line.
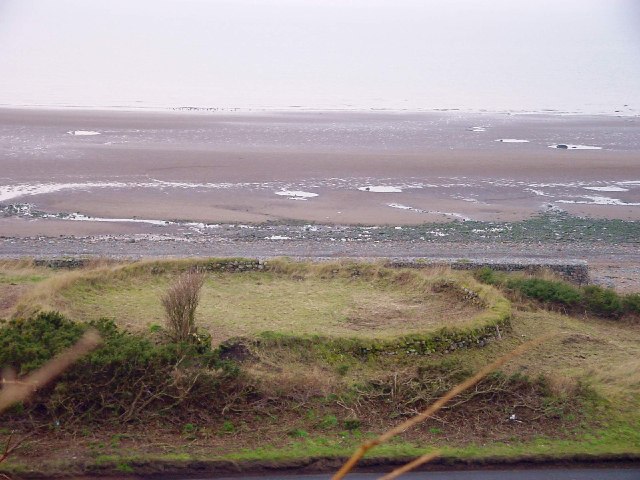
246,304
316,395
618,439
21,278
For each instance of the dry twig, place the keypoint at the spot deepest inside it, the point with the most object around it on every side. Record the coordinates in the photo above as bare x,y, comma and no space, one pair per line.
10,446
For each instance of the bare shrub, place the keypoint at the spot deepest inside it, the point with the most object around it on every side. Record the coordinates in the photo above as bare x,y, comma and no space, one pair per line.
180,302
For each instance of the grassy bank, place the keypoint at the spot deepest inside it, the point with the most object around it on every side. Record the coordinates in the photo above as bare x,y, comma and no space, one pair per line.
307,361
333,299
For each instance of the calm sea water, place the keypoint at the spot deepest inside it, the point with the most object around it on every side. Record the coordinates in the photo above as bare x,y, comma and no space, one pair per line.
574,55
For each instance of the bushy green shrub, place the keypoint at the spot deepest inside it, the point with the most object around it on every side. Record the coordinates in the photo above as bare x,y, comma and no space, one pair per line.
602,301
560,293
127,377
486,275
631,303
26,344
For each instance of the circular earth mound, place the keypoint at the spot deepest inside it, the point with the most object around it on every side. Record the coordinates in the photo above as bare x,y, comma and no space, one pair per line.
355,300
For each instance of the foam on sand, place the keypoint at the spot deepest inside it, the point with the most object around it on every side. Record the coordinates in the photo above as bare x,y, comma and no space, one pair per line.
296,194
512,140
277,237
539,193
78,217
380,189
404,207
8,192
598,200
83,133
607,189
429,212
568,146
29,210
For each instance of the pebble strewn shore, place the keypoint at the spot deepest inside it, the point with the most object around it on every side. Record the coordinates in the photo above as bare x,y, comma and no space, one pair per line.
610,265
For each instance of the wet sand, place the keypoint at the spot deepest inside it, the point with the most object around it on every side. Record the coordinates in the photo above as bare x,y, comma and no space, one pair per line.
213,167
146,184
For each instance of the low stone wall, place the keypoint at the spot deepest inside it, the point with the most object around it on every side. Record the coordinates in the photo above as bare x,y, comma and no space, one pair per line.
233,265
577,273
57,263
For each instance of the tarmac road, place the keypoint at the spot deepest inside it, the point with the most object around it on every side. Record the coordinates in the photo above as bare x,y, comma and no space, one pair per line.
534,474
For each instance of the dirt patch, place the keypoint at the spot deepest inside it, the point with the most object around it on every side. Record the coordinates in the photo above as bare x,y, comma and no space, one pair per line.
376,314
582,338
9,296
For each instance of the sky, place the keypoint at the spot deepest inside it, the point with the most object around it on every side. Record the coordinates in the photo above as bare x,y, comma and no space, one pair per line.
569,55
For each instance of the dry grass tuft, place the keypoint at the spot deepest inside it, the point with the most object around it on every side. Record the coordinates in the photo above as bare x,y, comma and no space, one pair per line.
438,271
562,386
24,264
297,384
44,296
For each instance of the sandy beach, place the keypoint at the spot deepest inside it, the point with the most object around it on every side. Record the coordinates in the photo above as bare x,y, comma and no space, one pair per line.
322,167
322,184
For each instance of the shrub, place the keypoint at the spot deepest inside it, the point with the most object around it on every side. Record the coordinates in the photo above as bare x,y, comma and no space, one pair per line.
486,275
329,421
603,301
593,299
180,302
631,303
352,424
560,293
129,377
26,344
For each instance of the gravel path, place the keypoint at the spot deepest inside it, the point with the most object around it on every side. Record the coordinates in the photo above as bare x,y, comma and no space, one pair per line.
616,265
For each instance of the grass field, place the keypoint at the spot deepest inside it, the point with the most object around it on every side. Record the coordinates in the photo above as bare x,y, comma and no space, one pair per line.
301,302
576,394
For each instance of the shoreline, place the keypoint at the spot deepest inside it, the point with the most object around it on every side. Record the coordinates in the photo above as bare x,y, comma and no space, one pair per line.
609,247
186,109
331,168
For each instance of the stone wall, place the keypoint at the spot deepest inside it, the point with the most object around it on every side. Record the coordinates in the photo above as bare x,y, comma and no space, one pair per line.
576,272
233,265
57,263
